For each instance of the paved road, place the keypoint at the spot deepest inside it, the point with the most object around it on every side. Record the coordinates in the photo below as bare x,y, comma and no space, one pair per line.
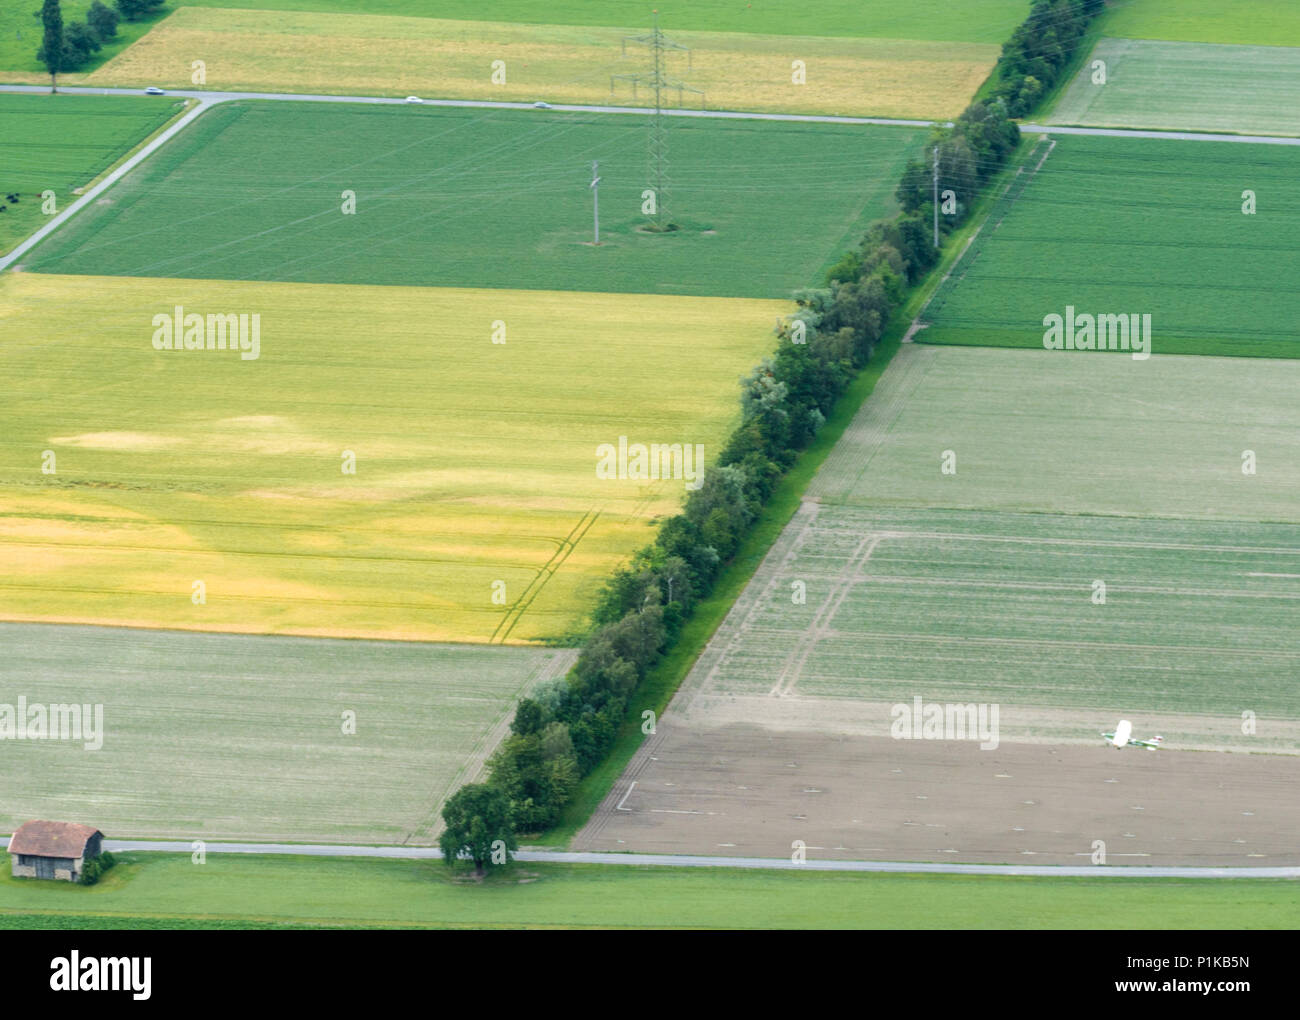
689,861
223,97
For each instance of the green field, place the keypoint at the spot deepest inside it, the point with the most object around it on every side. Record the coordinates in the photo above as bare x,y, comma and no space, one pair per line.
1113,225
330,891
1187,86
1249,22
227,736
486,198
61,143
971,21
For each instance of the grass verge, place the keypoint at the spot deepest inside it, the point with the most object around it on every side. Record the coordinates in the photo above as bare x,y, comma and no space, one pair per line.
230,891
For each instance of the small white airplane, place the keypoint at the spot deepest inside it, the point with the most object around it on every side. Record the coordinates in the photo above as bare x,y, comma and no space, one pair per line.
1121,738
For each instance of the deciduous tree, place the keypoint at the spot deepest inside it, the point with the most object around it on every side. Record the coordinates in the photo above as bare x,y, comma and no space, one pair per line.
477,819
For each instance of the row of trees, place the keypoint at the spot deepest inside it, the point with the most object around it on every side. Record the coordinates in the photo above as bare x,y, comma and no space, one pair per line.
1040,50
565,730
561,733
69,47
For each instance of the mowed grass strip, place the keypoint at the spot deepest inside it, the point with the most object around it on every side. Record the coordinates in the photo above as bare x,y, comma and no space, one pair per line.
426,894
209,736
1074,432
475,461
1187,86
474,198
60,143
1248,22
363,54
1123,226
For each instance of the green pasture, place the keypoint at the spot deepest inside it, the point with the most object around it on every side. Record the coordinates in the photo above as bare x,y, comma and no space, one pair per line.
229,890
21,34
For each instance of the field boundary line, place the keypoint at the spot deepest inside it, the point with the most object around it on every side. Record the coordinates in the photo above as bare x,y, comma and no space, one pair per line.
959,582
1104,543
1066,643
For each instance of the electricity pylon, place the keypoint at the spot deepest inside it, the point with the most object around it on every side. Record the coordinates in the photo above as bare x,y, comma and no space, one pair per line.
659,81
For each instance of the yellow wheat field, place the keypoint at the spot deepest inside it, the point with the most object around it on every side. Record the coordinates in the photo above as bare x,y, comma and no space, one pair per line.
475,462
379,55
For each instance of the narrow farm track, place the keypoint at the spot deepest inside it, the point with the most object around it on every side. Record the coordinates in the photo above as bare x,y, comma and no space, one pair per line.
1045,129
701,861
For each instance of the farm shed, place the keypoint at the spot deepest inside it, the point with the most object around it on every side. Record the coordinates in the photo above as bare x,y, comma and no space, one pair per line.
53,849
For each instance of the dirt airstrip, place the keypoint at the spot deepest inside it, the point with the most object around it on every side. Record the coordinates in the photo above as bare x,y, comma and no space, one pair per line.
744,790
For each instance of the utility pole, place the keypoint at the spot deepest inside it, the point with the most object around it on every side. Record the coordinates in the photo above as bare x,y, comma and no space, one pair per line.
595,198
936,196
659,81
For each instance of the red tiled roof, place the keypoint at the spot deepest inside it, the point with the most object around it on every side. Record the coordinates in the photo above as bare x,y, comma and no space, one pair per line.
52,839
